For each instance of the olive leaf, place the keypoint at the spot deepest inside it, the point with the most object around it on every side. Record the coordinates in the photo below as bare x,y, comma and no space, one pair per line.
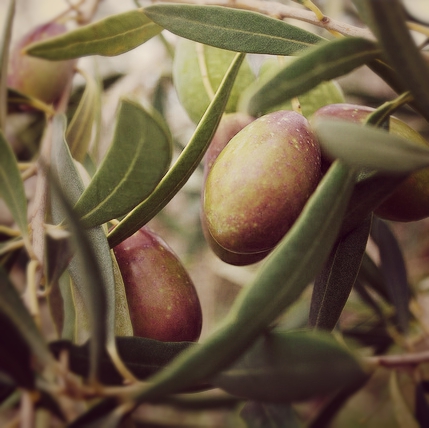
91,268
79,131
394,270
4,61
12,187
184,166
141,355
280,282
369,147
283,367
138,158
111,36
317,64
387,20
335,282
232,29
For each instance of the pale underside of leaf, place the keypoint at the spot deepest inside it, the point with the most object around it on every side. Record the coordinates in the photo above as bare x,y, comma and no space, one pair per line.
236,30
111,36
369,147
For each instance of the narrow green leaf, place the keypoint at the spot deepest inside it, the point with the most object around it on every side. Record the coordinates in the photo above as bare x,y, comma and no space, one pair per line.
393,270
323,62
290,366
111,36
387,19
284,276
369,147
286,273
13,309
143,356
232,29
335,282
135,163
12,186
4,61
91,269
79,131
370,191
185,165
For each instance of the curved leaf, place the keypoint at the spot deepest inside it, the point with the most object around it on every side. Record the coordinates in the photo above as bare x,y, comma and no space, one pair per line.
284,367
232,29
111,36
4,60
135,163
143,357
284,276
335,282
387,20
79,131
185,165
369,147
394,270
12,186
316,65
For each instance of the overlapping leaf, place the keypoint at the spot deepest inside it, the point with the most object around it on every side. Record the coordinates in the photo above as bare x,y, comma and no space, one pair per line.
394,270
135,163
369,147
4,55
12,186
387,20
320,63
143,356
79,131
185,165
232,29
111,36
293,366
335,282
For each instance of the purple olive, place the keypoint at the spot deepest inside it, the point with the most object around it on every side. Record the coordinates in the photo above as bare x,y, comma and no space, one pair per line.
162,299
260,182
35,77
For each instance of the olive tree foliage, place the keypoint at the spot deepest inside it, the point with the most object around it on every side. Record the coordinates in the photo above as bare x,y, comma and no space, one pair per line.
263,371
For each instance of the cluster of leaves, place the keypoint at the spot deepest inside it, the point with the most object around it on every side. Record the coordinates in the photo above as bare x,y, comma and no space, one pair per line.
246,356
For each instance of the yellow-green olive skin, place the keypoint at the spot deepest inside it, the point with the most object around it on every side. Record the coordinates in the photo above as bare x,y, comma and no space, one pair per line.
260,182
197,73
410,200
162,299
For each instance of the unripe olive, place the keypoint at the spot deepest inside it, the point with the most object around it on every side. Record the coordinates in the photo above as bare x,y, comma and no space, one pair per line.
410,200
260,182
35,77
162,299
197,73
